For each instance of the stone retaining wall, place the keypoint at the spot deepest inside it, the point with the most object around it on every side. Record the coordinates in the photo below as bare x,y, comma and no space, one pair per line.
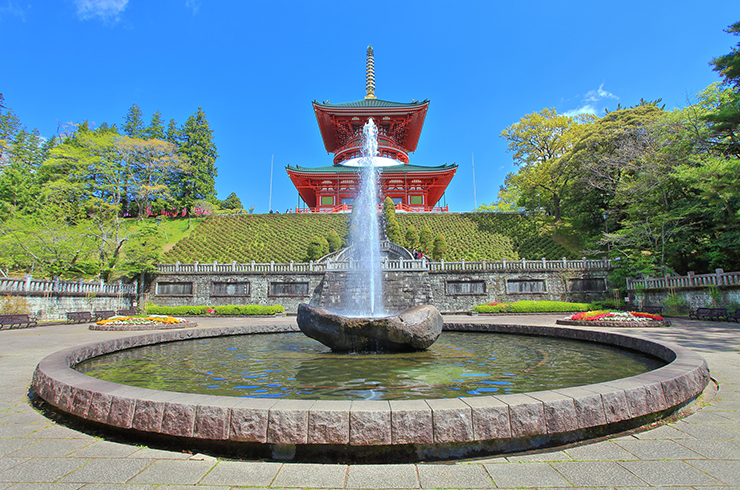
449,291
54,306
376,430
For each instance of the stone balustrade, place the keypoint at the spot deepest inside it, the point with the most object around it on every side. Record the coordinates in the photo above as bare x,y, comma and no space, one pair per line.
392,265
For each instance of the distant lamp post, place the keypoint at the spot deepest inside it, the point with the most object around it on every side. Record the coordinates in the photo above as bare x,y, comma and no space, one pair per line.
606,227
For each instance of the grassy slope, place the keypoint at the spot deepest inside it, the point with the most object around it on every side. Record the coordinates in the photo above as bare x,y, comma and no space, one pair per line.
284,237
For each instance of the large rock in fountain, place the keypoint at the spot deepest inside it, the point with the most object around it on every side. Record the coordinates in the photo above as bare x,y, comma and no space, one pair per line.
413,329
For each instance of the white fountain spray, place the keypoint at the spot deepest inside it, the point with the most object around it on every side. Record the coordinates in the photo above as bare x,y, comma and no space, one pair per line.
365,231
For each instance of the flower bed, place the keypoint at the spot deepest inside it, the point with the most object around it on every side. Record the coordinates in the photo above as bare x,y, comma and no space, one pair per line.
151,322
604,318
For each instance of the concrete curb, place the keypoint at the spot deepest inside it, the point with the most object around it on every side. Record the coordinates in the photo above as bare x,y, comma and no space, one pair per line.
376,430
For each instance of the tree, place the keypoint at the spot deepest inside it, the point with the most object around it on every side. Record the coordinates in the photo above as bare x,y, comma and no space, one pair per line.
440,247
412,237
541,142
133,125
196,148
149,164
10,124
173,132
426,240
317,248
392,229
232,202
334,241
19,187
155,130
725,122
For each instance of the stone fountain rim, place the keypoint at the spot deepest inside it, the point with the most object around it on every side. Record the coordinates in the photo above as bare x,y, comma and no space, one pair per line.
434,427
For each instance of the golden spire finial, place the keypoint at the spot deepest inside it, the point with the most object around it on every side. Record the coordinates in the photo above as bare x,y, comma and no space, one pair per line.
370,74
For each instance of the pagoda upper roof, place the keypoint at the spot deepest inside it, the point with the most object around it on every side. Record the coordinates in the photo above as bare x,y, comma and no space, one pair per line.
403,119
401,169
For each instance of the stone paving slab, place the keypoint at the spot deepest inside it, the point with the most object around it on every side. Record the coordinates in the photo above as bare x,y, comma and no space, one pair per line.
517,475
596,473
699,451
382,476
107,470
311,475
236,473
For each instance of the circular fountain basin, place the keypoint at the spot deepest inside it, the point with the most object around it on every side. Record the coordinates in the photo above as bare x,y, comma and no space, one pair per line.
376,430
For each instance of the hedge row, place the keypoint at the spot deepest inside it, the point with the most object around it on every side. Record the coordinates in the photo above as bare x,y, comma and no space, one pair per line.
533,307
153,309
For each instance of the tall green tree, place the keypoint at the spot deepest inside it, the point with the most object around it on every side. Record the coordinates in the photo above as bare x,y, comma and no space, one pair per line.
412,237
392,229
439,248
725,122
10,124
198,149
426,240
172,134
133,125
155,130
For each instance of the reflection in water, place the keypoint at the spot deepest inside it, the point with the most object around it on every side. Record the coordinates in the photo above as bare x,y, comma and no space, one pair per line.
294,366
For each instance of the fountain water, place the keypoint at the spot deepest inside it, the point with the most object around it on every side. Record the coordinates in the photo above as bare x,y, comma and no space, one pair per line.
366,326
365,232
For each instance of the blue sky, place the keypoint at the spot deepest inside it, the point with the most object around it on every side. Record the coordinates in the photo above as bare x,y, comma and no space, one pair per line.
255,67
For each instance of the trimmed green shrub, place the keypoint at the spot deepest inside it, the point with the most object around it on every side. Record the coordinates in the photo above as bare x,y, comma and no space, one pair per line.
533,307
153,309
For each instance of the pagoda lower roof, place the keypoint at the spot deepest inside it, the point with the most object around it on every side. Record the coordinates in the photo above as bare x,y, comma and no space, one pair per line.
400,169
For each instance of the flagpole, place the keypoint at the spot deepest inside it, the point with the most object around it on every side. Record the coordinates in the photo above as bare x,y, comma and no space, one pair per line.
269,203
475,200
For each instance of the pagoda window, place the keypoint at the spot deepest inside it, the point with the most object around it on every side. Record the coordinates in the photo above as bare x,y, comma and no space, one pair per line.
327,200
416,200
348,201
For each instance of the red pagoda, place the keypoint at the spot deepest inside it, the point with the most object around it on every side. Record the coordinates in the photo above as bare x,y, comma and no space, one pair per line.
333,188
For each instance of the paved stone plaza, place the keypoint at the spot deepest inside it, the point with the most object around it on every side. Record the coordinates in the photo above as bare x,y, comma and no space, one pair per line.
699,451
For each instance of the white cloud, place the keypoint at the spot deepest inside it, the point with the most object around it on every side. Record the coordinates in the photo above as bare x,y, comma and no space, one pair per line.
12,8
584,109
107,10
193,5
590,104
598,94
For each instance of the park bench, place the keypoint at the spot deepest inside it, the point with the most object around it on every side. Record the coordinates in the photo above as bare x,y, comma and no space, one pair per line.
735,317
653,310
16,321
709,314
103,314
128,312
79,316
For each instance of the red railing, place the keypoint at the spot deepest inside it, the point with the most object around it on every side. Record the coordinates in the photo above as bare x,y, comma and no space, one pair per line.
346,208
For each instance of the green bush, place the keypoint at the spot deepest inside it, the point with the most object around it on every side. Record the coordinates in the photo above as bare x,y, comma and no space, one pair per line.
533,307
153,309
675,304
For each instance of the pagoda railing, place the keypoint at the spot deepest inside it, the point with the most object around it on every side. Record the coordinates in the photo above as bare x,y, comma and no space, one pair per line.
691,280
423,264
346,208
